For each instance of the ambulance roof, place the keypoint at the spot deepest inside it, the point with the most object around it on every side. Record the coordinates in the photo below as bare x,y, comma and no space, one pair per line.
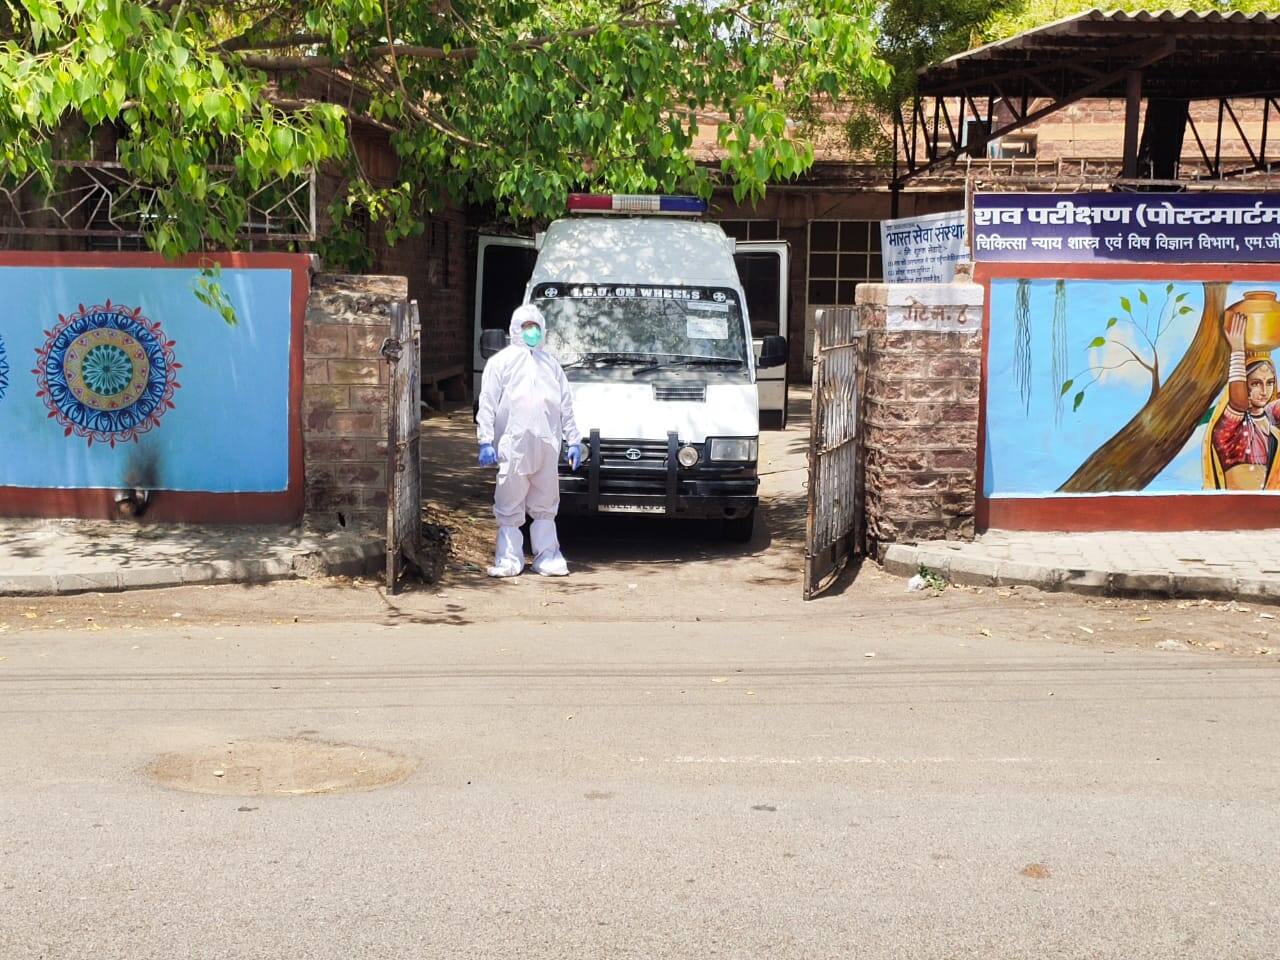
657,250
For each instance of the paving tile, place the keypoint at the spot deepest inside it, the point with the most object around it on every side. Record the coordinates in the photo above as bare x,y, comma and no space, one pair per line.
71,556
1196,563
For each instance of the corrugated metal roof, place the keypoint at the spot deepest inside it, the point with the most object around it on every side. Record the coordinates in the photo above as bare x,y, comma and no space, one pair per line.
1216,54
1064,26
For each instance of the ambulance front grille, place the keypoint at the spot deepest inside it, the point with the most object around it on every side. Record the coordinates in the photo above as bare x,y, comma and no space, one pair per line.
637,454
686,392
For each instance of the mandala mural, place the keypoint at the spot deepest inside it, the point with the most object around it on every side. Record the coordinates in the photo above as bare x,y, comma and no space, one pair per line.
106,373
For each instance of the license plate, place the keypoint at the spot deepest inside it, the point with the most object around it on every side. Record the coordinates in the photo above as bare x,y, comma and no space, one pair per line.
632,508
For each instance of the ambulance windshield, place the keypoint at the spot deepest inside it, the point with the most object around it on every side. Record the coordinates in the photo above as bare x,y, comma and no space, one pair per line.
646,323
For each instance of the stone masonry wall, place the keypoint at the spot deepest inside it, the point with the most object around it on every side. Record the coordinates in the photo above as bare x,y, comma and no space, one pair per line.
440,277
920,409
345,398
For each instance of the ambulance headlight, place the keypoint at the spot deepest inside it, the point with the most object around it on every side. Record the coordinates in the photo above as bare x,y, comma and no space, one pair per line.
740,449
687,457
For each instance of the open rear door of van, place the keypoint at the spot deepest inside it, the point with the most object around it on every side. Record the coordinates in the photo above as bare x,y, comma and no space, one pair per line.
503,268
763,269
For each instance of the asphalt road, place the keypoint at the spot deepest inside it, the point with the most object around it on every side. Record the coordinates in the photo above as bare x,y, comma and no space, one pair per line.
666,755
653,790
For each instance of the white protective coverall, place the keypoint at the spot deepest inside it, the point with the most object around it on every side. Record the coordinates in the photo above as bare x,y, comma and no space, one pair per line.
526,410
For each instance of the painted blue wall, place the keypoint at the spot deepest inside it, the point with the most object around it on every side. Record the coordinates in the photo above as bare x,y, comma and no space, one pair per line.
228,429
1033,446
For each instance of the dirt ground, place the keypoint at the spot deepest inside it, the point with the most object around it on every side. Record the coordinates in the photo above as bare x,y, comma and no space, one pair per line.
641,569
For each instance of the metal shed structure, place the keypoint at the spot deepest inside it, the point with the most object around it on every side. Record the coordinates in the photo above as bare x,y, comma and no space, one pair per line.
1167,60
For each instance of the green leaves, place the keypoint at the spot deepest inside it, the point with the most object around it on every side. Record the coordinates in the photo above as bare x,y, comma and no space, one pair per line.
1065,387
563,96
1112,322
1075,404
187,118
1125,305
1097,342
208,290
507,103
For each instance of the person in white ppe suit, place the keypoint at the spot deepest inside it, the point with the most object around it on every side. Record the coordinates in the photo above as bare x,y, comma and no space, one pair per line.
525,412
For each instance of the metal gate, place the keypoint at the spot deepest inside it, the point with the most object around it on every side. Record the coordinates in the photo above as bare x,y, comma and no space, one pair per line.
404,447
834,532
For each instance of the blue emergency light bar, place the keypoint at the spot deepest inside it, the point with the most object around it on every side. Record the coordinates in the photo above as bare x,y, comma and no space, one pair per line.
636,203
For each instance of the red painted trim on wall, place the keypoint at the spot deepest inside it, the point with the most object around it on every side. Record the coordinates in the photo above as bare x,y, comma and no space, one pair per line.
167,506
238,261
171,506
985,272
1154,512
981,513
1158,513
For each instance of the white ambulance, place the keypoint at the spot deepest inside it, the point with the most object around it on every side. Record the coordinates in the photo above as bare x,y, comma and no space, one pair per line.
648,315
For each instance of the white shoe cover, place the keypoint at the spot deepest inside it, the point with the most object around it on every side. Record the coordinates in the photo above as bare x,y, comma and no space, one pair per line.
548,561
553,566
508,559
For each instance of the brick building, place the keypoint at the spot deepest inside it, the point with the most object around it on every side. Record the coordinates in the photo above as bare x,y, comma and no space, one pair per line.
438,264
831,217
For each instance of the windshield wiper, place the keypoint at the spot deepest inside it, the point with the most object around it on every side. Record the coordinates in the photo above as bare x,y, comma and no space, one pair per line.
688,362
607,359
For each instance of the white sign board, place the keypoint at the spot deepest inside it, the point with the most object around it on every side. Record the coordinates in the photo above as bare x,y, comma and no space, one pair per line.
924,249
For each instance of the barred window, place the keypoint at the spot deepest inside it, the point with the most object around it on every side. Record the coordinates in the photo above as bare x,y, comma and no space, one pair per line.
750,229
842,254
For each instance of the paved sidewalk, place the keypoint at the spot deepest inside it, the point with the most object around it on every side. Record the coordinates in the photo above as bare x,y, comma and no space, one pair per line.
1234,565
75,556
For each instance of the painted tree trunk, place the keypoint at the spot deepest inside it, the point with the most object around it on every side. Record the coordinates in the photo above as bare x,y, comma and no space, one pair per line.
1146,444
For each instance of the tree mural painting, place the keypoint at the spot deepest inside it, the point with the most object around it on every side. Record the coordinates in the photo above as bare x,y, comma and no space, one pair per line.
1022,344
1022,361
1144,446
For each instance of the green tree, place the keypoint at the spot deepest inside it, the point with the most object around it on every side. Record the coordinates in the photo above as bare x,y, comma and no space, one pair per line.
913,35
509,102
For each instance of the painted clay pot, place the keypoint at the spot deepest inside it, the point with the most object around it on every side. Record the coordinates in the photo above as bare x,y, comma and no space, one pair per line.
1262,326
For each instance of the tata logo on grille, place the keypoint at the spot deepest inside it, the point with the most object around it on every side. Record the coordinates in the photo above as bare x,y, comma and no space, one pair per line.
633,454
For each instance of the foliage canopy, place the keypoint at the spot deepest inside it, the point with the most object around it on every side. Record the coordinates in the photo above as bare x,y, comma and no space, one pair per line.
509,102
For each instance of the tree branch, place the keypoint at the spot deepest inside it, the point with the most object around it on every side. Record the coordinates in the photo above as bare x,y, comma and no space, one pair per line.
1146,366
1151,368
408,51
245,42
424,114
1134,323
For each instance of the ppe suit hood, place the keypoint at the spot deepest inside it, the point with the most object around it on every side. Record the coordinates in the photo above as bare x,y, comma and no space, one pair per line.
523,315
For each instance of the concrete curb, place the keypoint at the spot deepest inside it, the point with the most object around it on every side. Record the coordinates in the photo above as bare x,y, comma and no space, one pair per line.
347,560
905,560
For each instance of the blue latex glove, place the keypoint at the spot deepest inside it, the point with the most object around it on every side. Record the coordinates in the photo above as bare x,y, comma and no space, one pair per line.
488,455
575,456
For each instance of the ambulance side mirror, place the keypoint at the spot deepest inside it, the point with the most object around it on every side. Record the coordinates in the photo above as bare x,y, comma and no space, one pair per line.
773,352
492,342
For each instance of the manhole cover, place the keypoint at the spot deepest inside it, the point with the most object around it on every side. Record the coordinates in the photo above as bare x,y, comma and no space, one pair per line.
257,768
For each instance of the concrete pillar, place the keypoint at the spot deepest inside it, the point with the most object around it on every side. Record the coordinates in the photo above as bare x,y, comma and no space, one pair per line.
346,398
920,409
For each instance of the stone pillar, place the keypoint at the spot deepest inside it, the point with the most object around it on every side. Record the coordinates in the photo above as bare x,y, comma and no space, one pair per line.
346,400
920,409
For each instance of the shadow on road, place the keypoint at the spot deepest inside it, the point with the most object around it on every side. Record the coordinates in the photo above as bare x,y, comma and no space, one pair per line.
459,494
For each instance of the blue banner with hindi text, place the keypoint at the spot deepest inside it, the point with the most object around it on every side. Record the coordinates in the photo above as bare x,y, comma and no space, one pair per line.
1127,227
